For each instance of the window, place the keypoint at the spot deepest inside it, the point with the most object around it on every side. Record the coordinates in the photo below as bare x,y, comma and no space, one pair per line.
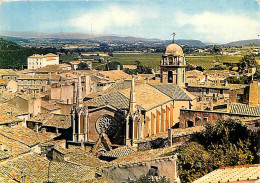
153,171
221,91
207,90
239,98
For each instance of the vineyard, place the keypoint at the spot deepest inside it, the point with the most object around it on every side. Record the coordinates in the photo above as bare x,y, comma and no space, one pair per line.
153,59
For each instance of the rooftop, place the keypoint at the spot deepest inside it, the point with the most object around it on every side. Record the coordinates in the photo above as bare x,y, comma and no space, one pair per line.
39,169
25,135
234,174
244,109
53,120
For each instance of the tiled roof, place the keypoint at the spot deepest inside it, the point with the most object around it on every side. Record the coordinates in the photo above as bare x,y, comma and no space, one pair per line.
116,100
51,55
147,96
173,91
4,155
4,81
232,174
5,119
53,120
50,106
28,96
117,86
115,74
244,109
26,135
82,157
6,95
38,76
39,169
119,152
13,147
51,68
8,107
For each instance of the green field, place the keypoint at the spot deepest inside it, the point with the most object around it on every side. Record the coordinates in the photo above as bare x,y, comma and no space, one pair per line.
153,59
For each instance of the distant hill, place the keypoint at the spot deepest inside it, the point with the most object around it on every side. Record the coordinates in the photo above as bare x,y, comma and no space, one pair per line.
14,56
189,42
73,35
25,36
244,42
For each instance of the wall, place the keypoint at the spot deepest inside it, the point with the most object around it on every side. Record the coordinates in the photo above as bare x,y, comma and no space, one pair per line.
123,172
93,117
34,106
12,86
254,94
242,91
176,110
20,103
206,116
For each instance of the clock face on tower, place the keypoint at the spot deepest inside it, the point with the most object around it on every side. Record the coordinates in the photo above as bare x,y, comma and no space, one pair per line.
107,124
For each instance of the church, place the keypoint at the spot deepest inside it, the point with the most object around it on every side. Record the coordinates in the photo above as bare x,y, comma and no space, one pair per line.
129,111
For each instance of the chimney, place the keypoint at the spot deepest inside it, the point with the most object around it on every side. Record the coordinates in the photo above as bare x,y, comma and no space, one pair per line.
118,67
1,146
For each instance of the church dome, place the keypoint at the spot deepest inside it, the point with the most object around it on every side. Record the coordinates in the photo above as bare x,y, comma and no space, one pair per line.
174,49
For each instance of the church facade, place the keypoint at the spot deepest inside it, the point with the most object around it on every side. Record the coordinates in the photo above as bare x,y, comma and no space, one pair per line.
129,112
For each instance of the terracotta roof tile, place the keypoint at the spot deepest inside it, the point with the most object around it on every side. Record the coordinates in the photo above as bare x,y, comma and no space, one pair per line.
244,109
25,135
173,91
232,174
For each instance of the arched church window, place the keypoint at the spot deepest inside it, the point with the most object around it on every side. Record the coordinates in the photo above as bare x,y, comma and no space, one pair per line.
107,124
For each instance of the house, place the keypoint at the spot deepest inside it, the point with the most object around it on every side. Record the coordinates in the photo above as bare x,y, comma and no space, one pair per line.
38,61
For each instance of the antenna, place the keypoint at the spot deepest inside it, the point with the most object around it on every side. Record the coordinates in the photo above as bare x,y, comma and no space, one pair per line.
173,35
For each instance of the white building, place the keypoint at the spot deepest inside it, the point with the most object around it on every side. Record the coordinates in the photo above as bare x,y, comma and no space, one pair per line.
38,61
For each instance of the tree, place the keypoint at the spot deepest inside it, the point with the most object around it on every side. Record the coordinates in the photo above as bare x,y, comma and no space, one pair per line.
113,66
199,68
190,67
248,61
83,66
228,143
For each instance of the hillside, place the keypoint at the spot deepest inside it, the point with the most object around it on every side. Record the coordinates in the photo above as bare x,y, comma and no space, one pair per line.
60,37
14,56
189,42
244,42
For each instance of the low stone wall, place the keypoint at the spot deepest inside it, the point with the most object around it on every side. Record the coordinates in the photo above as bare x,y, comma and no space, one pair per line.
200,118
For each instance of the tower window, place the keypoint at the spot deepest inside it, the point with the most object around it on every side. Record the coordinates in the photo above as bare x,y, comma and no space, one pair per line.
170,77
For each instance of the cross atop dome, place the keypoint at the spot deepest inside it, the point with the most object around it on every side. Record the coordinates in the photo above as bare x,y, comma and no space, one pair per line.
173,35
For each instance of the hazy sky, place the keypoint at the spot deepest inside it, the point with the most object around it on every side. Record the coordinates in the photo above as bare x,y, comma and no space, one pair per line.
216,21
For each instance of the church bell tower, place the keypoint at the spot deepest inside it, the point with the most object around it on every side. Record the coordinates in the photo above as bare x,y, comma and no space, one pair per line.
173,65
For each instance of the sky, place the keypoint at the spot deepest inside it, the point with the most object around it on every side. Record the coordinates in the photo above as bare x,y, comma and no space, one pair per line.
215,21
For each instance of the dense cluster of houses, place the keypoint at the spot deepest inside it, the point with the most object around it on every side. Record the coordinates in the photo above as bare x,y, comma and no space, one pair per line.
60,124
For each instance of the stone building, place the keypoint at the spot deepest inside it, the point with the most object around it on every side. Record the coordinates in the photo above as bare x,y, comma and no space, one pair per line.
38,61
130,112
254,93
173,65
